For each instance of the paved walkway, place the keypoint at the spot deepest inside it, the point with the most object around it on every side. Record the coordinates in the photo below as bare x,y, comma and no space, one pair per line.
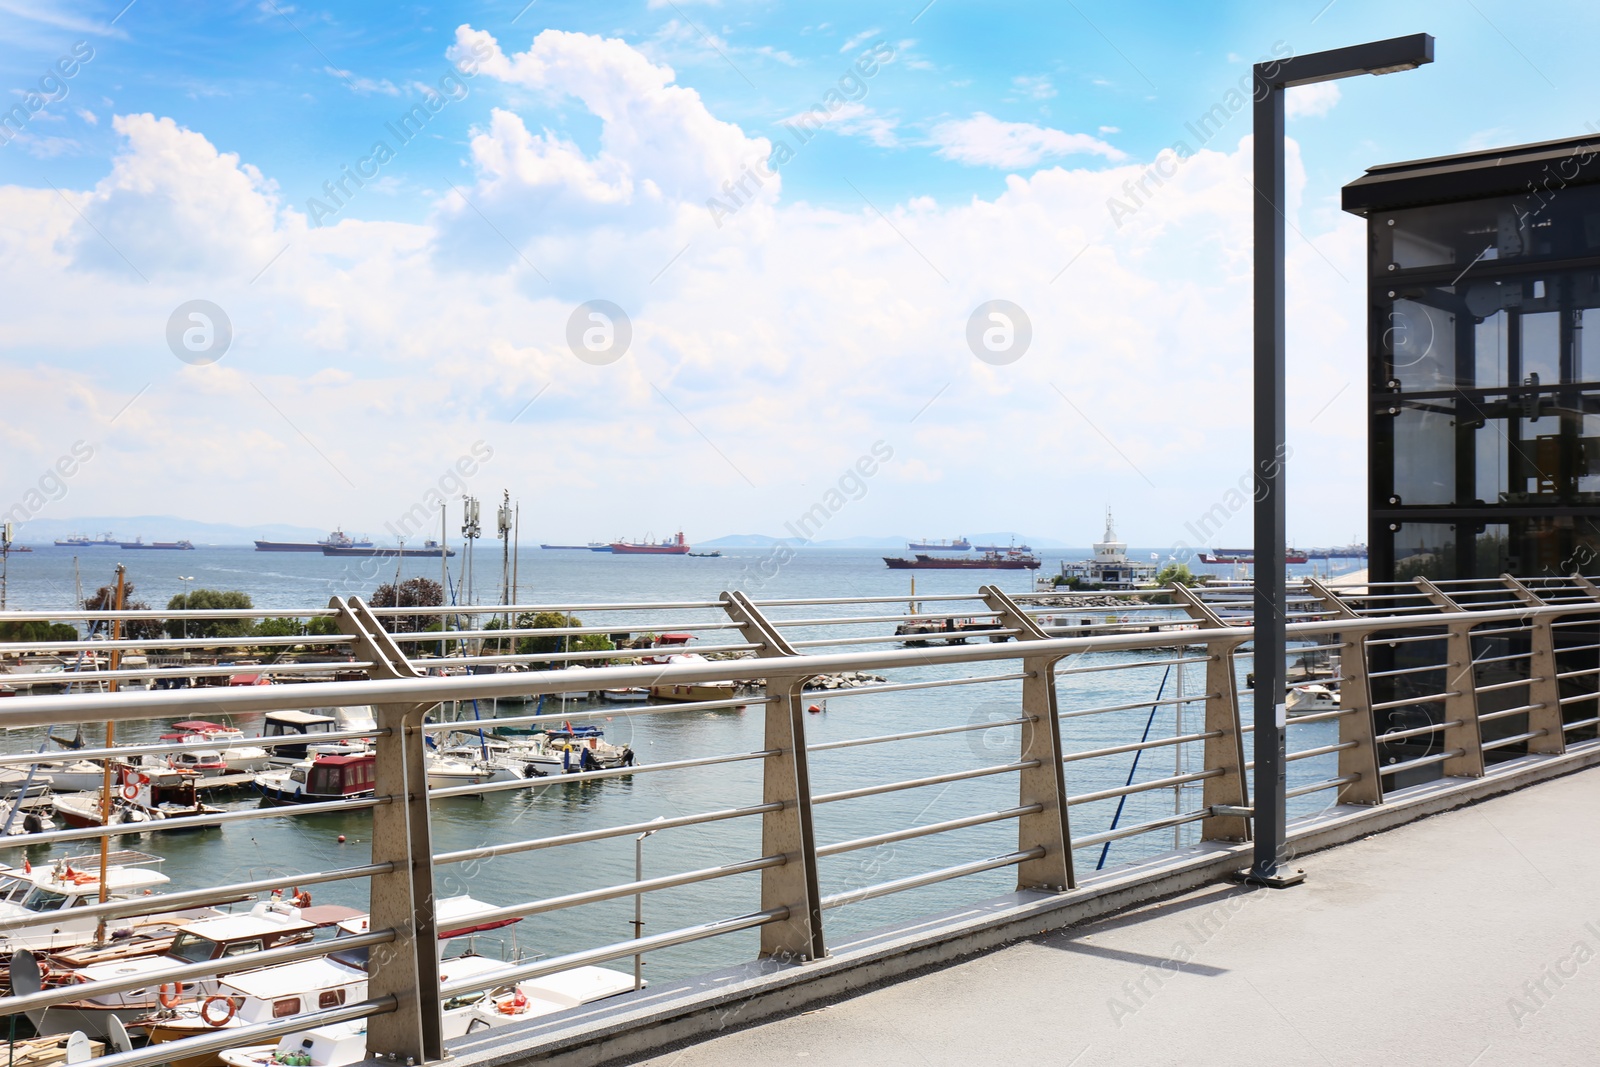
1472,938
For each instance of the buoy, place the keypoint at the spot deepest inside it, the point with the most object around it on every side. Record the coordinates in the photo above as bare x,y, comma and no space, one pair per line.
814,708
341,839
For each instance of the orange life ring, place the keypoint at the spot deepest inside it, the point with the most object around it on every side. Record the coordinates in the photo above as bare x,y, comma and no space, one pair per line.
169,994
515,1004
300,899
130,792
205,1011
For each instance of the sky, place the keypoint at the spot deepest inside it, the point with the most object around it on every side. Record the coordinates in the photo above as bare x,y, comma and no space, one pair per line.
679,264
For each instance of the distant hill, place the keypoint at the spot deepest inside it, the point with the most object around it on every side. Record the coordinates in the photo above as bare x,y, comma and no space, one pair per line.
162,528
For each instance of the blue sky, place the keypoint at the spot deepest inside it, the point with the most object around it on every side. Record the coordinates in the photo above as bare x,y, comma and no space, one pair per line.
772,347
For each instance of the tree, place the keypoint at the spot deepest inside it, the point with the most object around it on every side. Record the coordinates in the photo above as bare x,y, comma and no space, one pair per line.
38,631
1177,572
210,599
280,627
543,644
413,593
105,599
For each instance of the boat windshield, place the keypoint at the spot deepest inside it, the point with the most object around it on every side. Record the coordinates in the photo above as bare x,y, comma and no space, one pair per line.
192,947
12,890
44,900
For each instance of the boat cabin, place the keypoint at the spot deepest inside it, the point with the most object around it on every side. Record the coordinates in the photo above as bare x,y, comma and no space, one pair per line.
334,777
294,724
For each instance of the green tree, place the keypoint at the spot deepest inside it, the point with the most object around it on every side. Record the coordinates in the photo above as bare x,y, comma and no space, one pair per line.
280,627
212,600
105,599
412,593
544,644
1177,572
37,631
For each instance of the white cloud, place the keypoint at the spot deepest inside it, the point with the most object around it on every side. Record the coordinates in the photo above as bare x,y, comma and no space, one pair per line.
853,119
859,39
1033,88
1311,101
363,86
88,116
393,346
984,140
1110,129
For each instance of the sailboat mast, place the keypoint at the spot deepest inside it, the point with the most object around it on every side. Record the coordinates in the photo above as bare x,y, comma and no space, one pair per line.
111,742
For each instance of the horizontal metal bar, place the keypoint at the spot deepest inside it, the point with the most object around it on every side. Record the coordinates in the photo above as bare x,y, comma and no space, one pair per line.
1320,716
1409,670
190,898
917,881
1564,623
1137,704
93,676
797,602
1097,668
1431,698
1295,650
1512,684
901,687
1317,787
1144,787
607,953
1140,828
1580,723
1576,648
552,609
1139,746
1508,712
188,822
560,715
1578,674
15,1005
242,1036
582,836
123,751
625,889
1564,701
1323,750
881,639
419,636
140,644
1421,761
1514,739
914,783
928,829
1377,641
421,657
1480,660
68,708
590,776
939,731
1431,728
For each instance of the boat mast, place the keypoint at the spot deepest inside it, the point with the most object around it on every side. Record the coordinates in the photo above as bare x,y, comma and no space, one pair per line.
444,569
111,742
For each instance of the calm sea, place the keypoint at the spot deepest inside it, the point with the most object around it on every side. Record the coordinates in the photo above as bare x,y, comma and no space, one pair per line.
285,846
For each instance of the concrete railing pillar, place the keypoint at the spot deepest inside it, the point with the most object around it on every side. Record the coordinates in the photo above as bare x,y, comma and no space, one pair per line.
403,900
1461,703
1544,687
1355,701
1224,750
785,780
1044,784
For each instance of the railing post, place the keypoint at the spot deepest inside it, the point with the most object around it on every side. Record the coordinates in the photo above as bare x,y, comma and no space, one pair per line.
402,900
1355,700
1226,750
1461,705
1045,784
1544,687
785,779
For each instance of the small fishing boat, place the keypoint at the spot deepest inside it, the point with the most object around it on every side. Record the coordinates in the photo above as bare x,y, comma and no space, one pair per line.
323,777
143,794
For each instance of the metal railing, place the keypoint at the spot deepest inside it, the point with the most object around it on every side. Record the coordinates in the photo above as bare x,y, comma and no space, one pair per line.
1431,678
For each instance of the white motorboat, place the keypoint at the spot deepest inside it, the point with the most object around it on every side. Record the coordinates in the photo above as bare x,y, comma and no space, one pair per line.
71,776
234,753
1310,700
577,694
633,694
46,895
455,768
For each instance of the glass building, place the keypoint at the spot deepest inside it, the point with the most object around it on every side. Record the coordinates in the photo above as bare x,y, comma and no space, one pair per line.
1484,362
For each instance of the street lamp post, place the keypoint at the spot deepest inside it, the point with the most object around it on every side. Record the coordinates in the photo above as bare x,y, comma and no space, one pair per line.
638,903
184,624
1271,533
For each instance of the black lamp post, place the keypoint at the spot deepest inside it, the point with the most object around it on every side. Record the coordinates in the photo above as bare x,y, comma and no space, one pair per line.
1271,533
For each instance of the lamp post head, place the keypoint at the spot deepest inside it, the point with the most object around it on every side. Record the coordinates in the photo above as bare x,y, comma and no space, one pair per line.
1374,57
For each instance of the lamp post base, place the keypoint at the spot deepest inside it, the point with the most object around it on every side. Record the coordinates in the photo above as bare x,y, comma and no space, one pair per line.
1282,878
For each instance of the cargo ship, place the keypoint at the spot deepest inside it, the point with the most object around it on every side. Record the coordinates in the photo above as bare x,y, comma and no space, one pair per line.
80,541
960,544
989,561
336,539
1004,548
1227,557
364,551
171,546
673,546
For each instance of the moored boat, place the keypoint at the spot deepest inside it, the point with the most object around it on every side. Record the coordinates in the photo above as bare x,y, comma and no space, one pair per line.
320,778
673,546
989,561
336,539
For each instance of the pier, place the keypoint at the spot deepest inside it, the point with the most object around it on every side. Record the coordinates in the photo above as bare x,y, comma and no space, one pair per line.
822,867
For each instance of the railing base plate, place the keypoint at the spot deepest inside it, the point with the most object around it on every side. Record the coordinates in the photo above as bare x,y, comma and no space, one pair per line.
1282,878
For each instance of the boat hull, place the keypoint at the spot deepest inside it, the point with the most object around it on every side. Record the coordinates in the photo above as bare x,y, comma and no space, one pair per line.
387,553
899,563
692,691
